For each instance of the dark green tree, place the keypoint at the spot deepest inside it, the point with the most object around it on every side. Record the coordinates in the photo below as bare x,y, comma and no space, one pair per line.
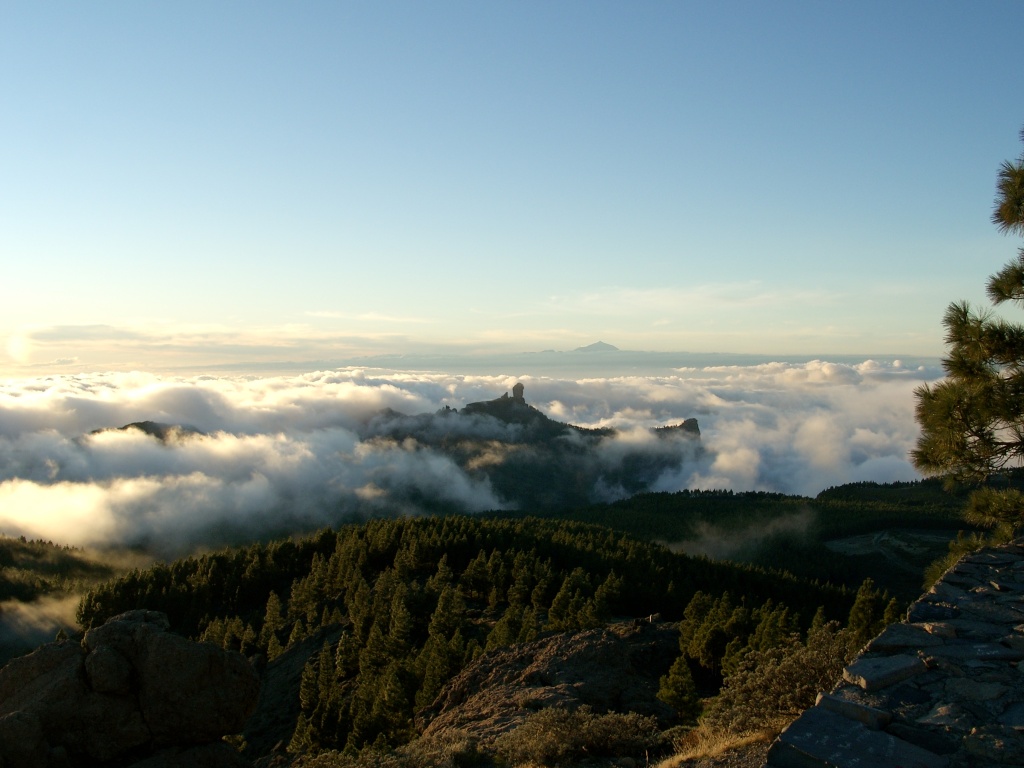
442,652
679,691
564,613
972,422
506,630
872,611
273,620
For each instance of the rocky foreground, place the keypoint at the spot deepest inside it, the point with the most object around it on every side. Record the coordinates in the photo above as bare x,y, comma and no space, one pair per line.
944,690
612,669
129,694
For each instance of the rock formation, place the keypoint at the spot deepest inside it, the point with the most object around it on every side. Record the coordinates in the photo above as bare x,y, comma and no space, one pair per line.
271,725
943,689
616,668
131,694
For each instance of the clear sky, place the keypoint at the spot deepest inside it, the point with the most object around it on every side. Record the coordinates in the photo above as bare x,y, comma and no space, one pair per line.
193,183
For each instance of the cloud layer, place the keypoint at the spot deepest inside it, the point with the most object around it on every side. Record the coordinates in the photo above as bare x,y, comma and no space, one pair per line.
292,453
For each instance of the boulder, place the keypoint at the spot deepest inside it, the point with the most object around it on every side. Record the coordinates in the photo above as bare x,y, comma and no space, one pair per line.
129,691
21,740
195,689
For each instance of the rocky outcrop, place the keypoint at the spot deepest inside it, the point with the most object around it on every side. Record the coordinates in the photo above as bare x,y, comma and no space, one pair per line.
271,725
611,669
943,689
131,694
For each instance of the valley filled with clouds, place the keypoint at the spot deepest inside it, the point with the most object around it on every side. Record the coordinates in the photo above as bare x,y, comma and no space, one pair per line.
266,456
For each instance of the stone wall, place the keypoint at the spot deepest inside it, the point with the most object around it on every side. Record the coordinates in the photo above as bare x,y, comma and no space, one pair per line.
945,688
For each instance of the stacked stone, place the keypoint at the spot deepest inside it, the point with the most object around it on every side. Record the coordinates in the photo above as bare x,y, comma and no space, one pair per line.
944,689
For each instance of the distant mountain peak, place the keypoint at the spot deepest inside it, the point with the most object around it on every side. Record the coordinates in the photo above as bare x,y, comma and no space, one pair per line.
162,432
597,346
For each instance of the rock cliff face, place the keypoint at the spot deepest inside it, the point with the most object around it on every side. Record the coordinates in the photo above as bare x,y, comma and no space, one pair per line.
129,694
944,689
616,668
270,728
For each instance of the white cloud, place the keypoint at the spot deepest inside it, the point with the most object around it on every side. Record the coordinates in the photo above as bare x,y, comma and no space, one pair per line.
281,453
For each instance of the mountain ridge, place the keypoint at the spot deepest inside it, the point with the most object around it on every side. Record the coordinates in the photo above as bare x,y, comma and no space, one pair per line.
597,346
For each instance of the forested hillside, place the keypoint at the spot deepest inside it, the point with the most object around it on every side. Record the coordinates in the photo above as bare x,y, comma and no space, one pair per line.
804,536
31,569
411,601
40,585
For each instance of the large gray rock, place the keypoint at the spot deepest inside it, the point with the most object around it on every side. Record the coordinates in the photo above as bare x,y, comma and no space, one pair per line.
130,689
872,673
824,739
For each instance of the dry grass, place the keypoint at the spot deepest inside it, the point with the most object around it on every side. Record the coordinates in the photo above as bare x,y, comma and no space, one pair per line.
556,736
703,742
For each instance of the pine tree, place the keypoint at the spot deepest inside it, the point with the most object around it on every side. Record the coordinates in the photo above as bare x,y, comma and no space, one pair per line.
565,609
309,691
234,630
972,422
247,646
374,656
406,559
274,648
391,712
346,658
866,616
530,627
474,582
733,655
774,625
693,616
400,626
519,592
506,630
448,614
442,653
302,738
325,673
498,573
297,634
679,691
819,620
435,665
214,633
442,577
893,613
363,728
273,619
707,646
358,603
598,609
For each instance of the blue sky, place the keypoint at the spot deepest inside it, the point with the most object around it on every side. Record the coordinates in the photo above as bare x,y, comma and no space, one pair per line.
191,184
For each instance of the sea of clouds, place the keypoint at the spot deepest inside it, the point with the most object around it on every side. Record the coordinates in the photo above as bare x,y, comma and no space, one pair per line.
281,454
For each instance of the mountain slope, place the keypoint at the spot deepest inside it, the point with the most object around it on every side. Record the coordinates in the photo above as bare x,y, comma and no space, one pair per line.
380,616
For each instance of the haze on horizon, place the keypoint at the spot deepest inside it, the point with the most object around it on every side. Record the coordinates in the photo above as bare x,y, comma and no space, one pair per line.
192,187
